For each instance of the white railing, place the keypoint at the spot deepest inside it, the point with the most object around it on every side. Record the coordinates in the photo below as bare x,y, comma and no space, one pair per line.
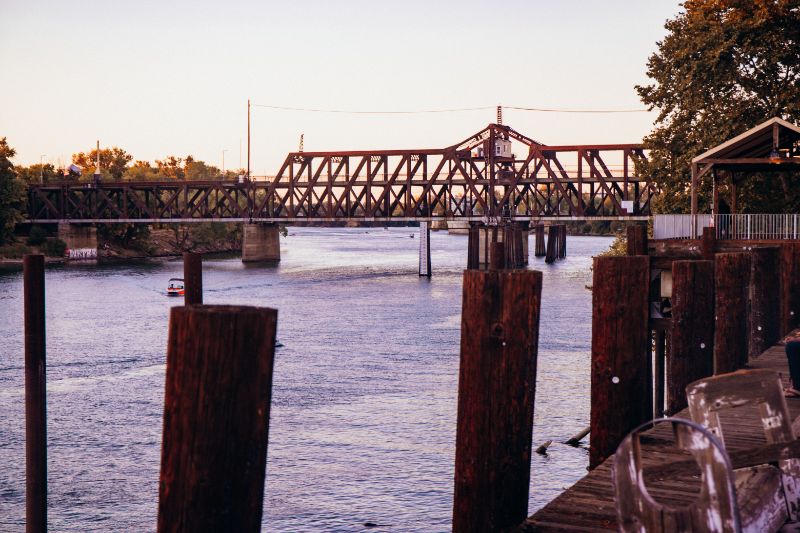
735,227
679,226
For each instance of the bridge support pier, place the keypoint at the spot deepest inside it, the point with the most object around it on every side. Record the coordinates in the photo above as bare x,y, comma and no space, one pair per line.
481,237
260,243
81,240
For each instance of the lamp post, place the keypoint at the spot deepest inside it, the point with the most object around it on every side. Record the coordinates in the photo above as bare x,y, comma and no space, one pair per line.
41,168
223,163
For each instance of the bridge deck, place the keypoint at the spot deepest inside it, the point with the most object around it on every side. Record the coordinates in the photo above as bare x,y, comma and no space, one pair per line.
589,504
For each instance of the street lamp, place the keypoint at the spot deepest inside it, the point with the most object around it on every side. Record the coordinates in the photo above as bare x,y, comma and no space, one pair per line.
223,163
41,168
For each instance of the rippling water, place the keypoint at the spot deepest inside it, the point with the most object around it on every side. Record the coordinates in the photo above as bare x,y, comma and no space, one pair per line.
365,386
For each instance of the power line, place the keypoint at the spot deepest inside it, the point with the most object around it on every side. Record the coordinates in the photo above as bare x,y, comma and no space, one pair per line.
374,112
545,110
450,110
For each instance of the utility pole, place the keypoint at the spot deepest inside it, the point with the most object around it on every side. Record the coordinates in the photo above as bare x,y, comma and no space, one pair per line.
223,163
248,138
41,168
97,167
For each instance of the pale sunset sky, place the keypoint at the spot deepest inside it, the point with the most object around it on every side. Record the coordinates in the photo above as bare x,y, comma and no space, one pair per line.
173,78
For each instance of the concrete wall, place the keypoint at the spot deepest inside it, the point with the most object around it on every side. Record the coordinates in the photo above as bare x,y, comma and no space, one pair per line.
261,243
81,240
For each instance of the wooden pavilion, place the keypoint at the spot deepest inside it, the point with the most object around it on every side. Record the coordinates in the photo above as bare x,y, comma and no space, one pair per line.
772,146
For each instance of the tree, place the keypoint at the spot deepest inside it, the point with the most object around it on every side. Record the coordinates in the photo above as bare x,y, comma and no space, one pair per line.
113,161
12,193
37,173
171,167
198,170
724,67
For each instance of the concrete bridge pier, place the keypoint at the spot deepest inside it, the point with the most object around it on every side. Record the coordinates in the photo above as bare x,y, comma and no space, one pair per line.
481,237
261,243
81,240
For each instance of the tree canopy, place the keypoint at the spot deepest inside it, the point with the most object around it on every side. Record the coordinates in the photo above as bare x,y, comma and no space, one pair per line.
113,161
724,67
12,192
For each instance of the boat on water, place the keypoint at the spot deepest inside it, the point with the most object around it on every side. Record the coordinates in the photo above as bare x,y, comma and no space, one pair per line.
175,287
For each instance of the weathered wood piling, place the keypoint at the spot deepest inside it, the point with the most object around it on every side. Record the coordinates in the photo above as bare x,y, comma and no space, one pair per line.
636,239
621,396
764,299
539,249
35,395
731,295
692,332
496,390
473,247
556,243
192,278
790,287
216,418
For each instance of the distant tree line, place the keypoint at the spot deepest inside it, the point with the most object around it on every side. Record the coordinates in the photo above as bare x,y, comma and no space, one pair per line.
118,165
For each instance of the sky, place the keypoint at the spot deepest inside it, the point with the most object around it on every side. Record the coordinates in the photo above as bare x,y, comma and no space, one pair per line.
173,78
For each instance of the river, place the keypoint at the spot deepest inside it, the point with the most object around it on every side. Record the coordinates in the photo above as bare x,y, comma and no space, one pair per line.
365,384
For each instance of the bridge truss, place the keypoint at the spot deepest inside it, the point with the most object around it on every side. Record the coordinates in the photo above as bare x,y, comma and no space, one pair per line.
473,180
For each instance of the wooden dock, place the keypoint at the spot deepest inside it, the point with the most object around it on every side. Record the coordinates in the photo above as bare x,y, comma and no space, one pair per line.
589,504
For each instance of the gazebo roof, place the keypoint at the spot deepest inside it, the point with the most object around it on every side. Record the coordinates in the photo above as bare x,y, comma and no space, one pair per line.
755,143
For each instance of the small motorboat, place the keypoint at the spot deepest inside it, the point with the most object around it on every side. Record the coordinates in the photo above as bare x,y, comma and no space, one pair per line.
175,287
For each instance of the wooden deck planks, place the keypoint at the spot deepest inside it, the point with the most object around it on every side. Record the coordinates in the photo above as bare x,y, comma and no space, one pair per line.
589,504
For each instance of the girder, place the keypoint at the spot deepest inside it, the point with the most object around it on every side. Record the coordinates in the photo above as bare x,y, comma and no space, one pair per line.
427,184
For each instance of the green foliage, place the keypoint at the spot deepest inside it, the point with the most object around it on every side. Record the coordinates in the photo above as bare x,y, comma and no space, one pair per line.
54,247
198,170
618,247
12,193
133,236
724,67
113,162
46,173
36,236
14,250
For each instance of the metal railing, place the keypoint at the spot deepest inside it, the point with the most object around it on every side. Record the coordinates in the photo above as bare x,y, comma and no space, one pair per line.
679,226
732,227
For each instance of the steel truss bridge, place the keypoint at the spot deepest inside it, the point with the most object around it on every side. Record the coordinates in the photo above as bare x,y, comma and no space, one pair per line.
477,179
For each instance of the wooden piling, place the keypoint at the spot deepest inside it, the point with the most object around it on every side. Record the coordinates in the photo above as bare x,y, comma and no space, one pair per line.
552,244
35,395
790,287
562,251
216,418
539,248
192,278
520,241
496,390
637,240
692,329
764,299
731,293
497,259
621,373
659,372
473,247
708,243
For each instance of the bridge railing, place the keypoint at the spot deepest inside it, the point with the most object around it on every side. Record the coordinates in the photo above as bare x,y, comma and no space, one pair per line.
760,226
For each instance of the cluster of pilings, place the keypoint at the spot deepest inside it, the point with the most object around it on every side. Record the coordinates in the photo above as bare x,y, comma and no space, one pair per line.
503,245
556,247
673,312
